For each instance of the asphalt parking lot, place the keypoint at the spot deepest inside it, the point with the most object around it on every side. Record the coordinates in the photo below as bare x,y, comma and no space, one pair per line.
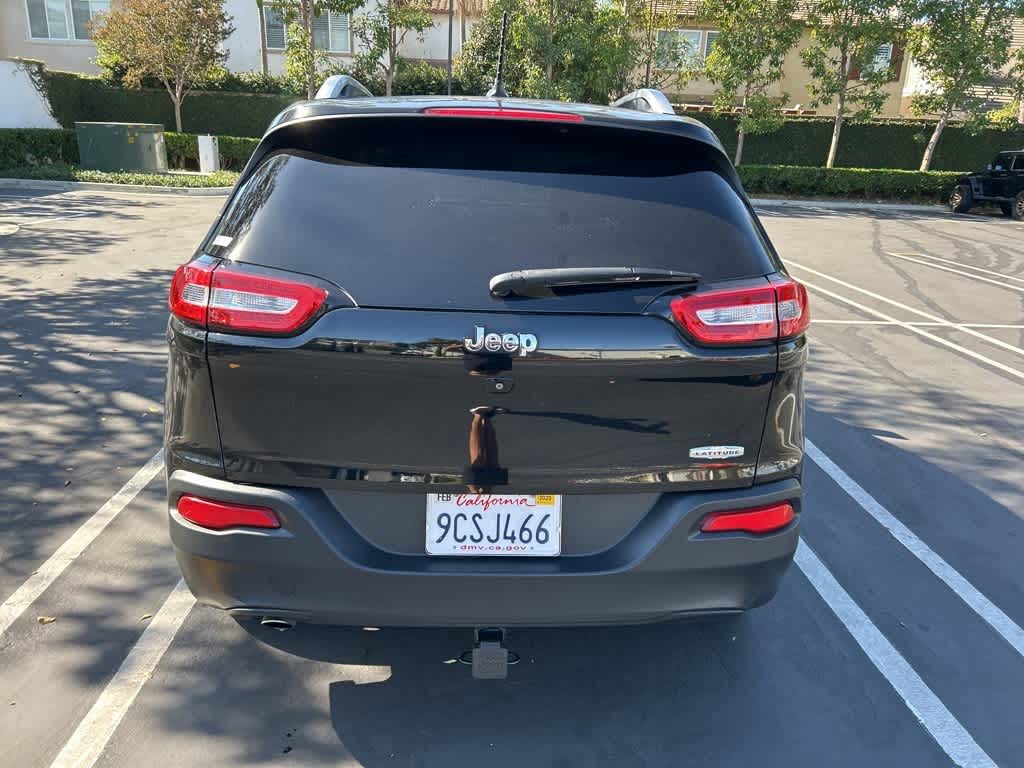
896,639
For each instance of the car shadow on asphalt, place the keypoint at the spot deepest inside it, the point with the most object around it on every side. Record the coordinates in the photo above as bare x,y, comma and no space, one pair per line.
734,692
785,684
581,696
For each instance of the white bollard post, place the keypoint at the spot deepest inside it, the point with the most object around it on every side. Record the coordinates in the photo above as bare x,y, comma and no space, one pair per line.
209,155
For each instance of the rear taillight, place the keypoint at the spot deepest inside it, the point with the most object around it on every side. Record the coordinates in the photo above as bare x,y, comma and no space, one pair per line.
231,300
747,315
759,520
219,515
506,114
190,291
258,304
794,307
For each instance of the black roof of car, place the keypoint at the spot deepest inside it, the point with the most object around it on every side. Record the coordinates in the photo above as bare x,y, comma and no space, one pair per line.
414,105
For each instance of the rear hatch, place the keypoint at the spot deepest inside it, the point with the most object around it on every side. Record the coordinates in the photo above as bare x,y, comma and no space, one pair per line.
417,373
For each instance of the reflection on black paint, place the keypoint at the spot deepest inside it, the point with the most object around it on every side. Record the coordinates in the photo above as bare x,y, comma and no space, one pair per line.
483,471
589,419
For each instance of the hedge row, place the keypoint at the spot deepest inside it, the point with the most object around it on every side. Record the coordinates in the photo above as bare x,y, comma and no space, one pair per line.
75,97
800,141
42,147
27,147
183,151
36,146
413,77
878,144
848,183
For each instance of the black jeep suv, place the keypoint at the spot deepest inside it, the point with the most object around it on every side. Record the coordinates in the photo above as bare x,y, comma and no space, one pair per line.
484,362
1002,182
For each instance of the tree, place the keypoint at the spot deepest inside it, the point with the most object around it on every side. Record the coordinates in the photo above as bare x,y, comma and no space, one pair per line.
659,63
263,37
382,32
175,41
1017,83
960,45
754,37
304,62
843,57
578,50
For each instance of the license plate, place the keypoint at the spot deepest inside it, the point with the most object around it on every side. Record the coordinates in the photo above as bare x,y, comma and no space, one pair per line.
503,525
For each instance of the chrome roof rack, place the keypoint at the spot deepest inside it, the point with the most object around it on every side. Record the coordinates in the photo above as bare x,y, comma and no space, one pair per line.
645,100
342,87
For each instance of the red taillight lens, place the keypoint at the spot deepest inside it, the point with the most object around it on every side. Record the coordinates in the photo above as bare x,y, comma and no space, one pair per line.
226,299
733,316
245,302
190,291
507,114
794,307
759,520
745,315
218,515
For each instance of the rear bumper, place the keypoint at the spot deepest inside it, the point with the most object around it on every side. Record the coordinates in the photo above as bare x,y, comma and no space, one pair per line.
319,568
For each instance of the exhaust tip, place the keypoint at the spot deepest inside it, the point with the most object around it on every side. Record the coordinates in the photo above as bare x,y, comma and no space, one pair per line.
278,624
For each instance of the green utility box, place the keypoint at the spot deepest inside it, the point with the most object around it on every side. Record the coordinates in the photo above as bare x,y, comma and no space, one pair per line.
122,147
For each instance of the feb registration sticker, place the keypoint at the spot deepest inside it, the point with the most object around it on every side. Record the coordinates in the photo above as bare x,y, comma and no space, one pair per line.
495,525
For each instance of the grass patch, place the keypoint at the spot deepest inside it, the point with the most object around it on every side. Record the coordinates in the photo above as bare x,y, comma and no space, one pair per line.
74,173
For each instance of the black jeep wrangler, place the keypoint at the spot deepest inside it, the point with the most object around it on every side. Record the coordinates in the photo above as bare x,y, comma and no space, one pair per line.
1002,183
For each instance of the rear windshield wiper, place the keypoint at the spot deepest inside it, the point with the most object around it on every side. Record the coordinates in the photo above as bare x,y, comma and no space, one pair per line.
538,283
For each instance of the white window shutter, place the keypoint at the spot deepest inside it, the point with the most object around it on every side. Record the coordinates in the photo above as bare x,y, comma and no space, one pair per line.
274,25
38,28
339,36
57,19
321,32
709,41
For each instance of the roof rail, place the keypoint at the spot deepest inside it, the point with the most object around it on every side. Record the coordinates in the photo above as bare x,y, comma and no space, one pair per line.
646,100
342,87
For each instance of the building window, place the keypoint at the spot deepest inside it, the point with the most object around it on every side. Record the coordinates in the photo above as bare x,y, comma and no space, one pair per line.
684,47
709,41
882,59
330,31
273,23
63,19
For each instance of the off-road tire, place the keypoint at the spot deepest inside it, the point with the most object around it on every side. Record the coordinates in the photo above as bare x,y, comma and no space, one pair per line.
961,199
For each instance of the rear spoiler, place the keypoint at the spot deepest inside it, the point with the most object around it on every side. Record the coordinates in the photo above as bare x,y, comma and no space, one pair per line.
342,87
645,100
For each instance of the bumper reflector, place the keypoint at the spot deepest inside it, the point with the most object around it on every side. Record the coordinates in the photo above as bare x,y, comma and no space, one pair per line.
758,520
218,515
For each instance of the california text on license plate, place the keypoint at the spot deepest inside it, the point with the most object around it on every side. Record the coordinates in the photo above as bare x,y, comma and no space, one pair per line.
470,524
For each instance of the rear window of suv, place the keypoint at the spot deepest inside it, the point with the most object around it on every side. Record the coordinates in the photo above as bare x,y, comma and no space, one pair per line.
424,216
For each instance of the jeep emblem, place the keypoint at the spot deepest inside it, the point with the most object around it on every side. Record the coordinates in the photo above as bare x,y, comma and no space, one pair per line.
501,342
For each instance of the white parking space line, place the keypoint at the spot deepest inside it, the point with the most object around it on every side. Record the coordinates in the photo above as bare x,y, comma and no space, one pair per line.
981,605
90,738
919,331
41,219
928,316
947,731
71,549
1000,283
962,265
919,324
